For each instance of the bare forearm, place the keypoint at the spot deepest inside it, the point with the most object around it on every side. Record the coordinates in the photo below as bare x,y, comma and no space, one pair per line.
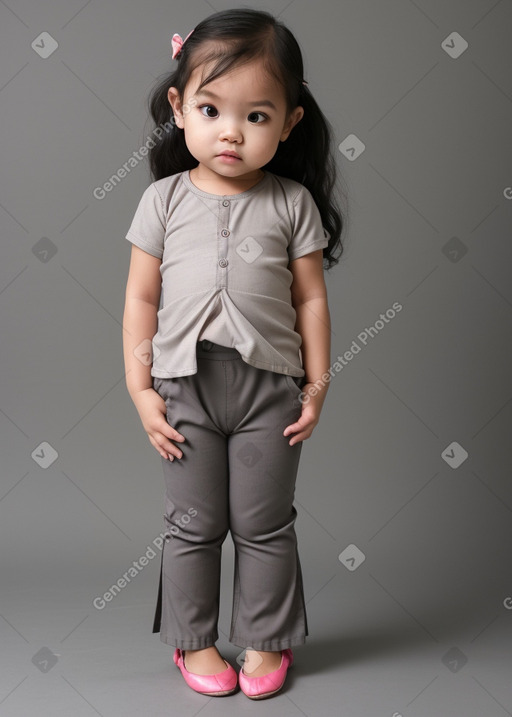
313,323
139,323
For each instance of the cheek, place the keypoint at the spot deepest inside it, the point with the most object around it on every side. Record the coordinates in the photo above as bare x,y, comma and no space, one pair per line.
265,141
258,136
195,132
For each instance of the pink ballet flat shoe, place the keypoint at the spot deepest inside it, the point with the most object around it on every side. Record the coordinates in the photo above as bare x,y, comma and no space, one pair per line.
223,683
257,688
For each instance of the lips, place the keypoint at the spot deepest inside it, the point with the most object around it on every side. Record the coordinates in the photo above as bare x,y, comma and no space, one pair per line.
228,153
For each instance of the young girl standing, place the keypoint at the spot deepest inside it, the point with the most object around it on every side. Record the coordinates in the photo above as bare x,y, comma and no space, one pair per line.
226,290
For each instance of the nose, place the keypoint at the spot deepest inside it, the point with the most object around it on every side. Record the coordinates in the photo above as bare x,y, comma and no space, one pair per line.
230,132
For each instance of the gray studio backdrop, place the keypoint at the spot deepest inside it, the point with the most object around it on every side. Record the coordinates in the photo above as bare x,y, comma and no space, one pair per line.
404,494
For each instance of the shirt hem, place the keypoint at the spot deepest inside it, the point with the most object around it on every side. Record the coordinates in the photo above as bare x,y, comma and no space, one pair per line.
265,365
308,249
134,239
172,374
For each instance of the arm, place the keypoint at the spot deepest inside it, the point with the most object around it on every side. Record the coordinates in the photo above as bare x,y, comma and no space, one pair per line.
140,322
140,316
309,299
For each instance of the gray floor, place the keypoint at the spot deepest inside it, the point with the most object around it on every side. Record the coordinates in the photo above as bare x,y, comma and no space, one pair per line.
366,653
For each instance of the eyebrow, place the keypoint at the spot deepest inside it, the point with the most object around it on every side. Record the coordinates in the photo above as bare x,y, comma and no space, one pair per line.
259,103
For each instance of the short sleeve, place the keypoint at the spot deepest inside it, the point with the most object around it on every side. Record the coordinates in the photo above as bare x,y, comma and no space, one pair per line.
147,230
308,232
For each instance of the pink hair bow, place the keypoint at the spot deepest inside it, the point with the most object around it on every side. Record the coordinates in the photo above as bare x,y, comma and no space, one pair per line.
177,43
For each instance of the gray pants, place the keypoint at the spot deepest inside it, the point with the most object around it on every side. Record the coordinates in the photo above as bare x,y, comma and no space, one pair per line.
237,473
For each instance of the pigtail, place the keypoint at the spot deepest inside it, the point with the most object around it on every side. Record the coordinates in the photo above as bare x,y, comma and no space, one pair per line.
170,154
306,156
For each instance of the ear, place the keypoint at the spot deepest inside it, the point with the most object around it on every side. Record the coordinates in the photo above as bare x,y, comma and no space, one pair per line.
177,108
294,117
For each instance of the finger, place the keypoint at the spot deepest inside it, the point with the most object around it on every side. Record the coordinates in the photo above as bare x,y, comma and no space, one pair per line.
164,454
292,428
174,451
175,435
166,448
299,437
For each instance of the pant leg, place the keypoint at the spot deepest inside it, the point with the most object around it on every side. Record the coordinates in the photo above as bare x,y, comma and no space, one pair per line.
269,610
196,515
238,471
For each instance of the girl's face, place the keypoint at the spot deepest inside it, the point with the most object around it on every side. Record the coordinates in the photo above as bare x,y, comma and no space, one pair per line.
243,112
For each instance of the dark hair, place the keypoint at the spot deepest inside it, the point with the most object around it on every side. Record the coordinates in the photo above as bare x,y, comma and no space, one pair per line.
231,38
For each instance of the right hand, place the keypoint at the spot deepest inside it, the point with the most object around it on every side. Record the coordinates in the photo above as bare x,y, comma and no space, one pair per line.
153,411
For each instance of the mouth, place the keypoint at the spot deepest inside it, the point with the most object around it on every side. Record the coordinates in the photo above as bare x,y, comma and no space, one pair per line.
228,153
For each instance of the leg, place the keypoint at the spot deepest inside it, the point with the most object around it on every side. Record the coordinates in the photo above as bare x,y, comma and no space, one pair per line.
196,520
269,611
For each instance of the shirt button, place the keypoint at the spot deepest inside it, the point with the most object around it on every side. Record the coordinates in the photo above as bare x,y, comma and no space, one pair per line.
223,263
225,232
225,203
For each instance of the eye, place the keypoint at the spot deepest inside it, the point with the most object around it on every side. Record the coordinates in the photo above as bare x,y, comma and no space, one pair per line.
255,114
208,108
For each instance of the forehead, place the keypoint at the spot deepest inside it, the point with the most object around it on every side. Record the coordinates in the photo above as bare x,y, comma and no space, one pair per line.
251,78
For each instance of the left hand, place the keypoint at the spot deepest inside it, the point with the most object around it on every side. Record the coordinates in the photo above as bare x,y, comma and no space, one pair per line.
303,427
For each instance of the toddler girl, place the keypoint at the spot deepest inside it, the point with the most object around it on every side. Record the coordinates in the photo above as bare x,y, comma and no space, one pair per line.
226,295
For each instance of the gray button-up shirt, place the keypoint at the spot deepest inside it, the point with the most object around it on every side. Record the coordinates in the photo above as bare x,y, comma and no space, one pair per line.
225,269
